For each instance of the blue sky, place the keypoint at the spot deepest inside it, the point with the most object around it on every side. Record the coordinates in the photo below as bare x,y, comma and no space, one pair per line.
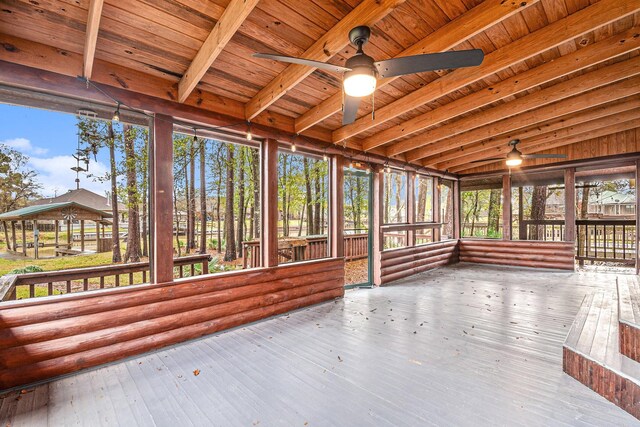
49,139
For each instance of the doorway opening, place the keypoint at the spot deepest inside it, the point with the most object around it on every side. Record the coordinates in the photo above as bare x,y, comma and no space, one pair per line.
357,228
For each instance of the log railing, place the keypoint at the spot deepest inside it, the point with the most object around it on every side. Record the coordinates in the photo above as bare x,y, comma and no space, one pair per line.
30,285
356,246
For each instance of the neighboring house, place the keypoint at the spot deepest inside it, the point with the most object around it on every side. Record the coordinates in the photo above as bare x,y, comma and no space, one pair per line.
602,204
86,198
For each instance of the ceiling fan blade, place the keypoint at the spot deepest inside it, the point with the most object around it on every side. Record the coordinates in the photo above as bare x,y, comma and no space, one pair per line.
429,62
544,156
350,109
301,61
493,159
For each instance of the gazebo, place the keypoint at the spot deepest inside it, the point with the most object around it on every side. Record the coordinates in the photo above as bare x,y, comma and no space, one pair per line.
69,212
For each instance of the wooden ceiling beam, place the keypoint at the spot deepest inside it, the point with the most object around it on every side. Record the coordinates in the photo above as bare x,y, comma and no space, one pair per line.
488,147
573,139
560,131
444,38
549,71
208,107
91,38
548,37
231,19
432,142
368,12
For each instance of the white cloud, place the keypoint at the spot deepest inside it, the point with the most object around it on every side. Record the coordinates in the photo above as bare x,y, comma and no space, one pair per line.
24,146
56,177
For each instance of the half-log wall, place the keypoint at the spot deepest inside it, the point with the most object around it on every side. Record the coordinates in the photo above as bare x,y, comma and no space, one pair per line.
399,263
47,337
556,255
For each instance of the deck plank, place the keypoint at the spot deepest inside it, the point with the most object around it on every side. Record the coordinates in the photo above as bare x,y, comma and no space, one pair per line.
487,350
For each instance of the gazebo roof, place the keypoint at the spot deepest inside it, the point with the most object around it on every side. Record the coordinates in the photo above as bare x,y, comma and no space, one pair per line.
55,211
81,196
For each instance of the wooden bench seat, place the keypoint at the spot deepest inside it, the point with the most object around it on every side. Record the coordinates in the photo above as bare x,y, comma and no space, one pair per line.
591,353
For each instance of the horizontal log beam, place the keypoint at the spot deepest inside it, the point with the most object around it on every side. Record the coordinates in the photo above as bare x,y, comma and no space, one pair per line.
596,53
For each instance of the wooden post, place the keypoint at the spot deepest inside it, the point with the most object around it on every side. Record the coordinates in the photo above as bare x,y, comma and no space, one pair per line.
456,210
13,235
411,202
36,238
57,233
269,179
161,195
637,216
336,206
570,205
6,235
82,235
377,221
506,207
24,237
69,234
437,214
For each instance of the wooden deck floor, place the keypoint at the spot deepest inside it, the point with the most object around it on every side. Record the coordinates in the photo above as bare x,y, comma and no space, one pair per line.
463,345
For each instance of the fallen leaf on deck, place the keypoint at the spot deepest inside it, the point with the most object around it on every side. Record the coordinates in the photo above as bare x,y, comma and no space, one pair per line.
196,372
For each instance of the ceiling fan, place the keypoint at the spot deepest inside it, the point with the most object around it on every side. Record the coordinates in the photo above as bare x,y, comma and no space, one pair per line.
361,70
515,157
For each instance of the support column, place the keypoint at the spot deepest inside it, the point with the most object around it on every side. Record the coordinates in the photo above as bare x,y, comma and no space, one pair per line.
336,206
82,235
57,233
269,179
456,210
13,236
36,238
377,221
570,205
522,230
69,234
161,195
506,207
637,216
24,237
411,203
437,214
6,235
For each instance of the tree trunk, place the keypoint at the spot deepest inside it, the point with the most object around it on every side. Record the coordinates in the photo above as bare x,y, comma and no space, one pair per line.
241,210
191,231
230,244
133,232
421,200
283,185
255,156
493,219
219,196
308,197
176,217
538,208
203,198
115,228
317,198
584,213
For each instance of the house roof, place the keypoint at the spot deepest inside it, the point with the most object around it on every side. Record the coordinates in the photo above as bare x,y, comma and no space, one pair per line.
37,211
81,196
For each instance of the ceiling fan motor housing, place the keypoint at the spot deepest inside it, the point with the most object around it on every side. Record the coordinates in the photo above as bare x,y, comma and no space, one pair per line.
359,35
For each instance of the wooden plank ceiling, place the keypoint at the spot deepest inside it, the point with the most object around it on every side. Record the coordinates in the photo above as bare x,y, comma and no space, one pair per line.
558,74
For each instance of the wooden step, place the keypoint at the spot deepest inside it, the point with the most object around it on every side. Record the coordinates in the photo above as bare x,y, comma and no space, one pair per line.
629,316
591,353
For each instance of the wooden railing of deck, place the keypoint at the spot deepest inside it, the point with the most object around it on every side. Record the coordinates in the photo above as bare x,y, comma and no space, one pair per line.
606,240
84,279
356,246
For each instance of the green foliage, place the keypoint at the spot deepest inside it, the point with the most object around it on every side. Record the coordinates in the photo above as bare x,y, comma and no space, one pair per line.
17,181
27,269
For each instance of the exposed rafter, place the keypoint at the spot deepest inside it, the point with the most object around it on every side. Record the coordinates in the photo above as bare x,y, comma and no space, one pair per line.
489,148
233,16
450,35
577,137
366,13
567,64
91,38
431,142
548,37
